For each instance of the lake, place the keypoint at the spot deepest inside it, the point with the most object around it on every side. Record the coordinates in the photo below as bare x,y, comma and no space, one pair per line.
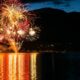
40,66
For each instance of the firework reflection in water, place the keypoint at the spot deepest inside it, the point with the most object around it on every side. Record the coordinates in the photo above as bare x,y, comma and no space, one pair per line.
14,67
34,66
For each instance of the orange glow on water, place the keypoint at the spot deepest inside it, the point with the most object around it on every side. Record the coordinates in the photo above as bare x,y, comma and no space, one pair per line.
15,67
34,66
1,67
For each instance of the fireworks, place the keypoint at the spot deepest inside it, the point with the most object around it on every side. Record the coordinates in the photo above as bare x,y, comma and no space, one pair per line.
14,24
33,33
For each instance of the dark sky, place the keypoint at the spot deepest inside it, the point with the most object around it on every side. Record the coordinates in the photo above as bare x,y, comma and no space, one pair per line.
45,0
66,5
56,1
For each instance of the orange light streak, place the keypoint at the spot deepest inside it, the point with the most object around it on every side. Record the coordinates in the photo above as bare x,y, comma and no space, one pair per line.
12,67
21,68
1,67
15,67
34,66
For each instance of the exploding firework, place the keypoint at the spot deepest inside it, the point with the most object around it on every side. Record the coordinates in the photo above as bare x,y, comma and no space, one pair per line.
33,33
14,24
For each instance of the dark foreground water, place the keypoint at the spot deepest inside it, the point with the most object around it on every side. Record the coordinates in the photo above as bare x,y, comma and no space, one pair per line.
59,66
40,66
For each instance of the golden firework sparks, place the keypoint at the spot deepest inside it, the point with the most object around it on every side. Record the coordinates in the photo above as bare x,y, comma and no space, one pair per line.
15,25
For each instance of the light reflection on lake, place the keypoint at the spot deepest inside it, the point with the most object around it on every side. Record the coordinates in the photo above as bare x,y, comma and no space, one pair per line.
15,66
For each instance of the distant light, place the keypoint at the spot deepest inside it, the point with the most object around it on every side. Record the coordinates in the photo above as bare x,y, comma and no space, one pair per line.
52,45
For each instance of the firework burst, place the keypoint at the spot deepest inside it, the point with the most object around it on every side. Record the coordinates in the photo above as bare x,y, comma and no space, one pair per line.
33,33
14,24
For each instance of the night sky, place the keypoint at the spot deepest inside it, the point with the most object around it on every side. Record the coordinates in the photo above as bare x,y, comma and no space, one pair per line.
66,5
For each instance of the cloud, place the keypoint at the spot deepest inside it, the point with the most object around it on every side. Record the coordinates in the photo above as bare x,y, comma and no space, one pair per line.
57,2
62,1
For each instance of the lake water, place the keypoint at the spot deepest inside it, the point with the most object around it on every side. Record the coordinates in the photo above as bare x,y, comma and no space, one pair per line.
40,66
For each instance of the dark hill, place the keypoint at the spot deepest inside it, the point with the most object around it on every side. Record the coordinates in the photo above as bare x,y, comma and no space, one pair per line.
58,27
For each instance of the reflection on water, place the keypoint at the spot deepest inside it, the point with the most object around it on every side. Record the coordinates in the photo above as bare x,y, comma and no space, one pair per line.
15,66
33,66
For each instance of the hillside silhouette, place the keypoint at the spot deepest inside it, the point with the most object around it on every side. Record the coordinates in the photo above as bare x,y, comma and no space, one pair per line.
57,27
